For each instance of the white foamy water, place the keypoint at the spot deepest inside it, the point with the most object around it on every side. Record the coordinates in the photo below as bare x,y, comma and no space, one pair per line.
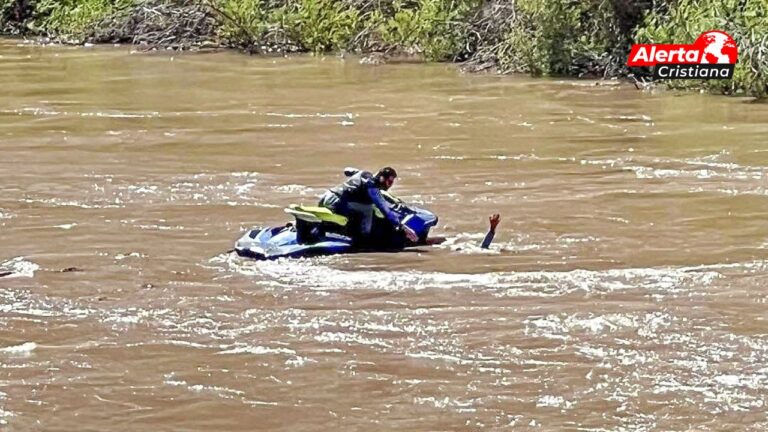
22,349
312,275
19,267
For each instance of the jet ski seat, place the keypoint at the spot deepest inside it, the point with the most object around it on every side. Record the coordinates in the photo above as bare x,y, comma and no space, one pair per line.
316,215
313,223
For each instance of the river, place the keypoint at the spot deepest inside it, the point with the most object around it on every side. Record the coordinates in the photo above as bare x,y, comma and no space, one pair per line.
625,289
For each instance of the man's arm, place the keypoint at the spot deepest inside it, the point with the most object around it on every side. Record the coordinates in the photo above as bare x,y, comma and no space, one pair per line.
494,221
383,206
391,216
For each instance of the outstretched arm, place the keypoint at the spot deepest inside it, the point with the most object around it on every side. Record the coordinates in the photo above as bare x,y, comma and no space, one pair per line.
494,221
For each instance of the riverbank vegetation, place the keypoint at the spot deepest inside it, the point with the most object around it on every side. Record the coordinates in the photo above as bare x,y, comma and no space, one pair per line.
745,20
540,37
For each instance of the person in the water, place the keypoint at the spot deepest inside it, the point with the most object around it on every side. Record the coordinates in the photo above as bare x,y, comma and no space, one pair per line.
357,197
493,221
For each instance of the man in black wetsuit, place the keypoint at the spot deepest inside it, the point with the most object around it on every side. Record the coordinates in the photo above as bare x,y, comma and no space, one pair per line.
357,197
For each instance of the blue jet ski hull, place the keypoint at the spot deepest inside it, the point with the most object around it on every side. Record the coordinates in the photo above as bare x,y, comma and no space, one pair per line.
282,242
285,241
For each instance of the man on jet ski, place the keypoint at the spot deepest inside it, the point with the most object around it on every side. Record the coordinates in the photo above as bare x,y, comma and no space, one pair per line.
356,198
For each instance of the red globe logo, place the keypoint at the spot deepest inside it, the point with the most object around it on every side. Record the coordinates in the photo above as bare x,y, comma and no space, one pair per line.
717,47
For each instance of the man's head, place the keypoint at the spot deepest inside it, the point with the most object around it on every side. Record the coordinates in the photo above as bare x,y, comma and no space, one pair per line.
385,178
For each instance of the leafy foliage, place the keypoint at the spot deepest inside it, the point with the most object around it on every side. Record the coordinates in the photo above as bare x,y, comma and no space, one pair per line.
74,18
320,25
436,28
745,20
244,20
560,37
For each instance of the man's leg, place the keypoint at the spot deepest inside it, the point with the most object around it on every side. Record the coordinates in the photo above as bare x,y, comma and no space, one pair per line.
365,214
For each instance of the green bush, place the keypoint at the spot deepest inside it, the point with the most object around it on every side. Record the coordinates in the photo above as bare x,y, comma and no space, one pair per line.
435,28
745,20
319,25
74,18
13,15
244,21
5,8
562,37
5,5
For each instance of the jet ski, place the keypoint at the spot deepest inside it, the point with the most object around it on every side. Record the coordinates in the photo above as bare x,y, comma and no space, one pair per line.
318,231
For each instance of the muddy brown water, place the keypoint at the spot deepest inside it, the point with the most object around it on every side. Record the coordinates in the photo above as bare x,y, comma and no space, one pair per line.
625,289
